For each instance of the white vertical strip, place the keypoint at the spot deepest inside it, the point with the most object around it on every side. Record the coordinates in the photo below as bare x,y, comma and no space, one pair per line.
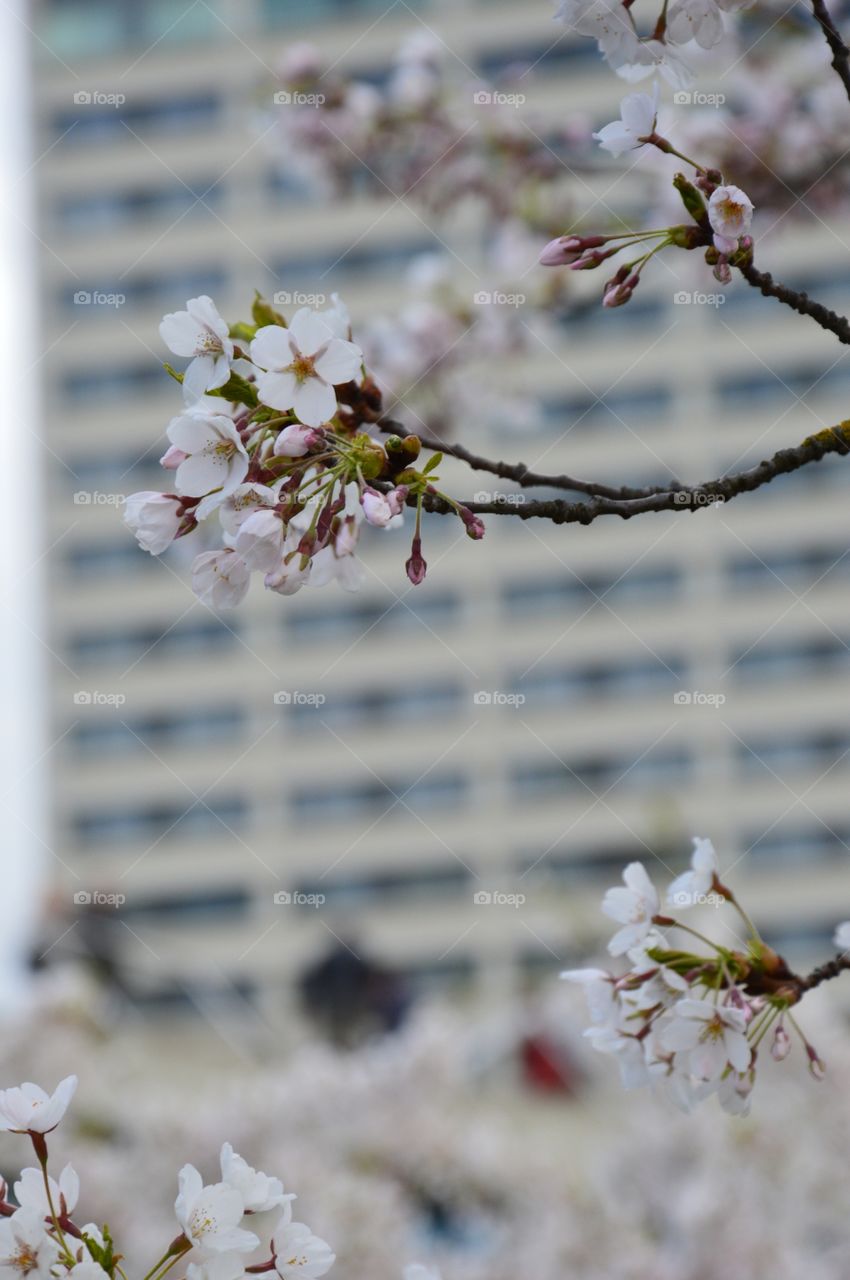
23,802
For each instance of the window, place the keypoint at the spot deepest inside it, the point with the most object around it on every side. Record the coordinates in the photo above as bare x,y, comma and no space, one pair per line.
207,634
378,617
109,210
194,727
384,884
88,121
381,706
345,800
155,822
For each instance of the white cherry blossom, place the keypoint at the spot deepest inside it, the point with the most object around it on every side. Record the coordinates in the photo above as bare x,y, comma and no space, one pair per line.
638,114
219,1266
633,905
200,332
302,365
691,886
211,1215
258,1191
28,1109
730,212
216,458
711,1035
297,1252
154,519
841,937
220,578
26,1250
30,1191
697,20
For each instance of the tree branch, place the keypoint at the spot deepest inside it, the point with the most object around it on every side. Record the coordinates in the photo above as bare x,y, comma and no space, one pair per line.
798,301
837,47
830,440
823,973
519,473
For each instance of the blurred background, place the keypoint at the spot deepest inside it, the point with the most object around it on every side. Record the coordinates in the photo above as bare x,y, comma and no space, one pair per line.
334,849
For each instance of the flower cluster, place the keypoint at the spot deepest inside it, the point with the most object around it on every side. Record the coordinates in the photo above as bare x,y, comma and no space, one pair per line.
691,1023
277,439
721,213
635,55
39,1237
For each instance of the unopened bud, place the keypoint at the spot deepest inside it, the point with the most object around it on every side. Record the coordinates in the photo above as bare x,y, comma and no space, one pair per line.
816,1065
416,566
781,1046
172,458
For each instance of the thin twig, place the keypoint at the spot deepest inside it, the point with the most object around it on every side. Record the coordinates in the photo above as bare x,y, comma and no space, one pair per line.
837,47
831,440
798,301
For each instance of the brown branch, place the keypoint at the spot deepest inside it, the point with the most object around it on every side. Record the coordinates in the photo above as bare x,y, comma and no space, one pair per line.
797,300
824,972
837,47
520,474
559,511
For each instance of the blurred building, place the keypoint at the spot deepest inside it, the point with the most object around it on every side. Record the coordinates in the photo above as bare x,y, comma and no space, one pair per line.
196,773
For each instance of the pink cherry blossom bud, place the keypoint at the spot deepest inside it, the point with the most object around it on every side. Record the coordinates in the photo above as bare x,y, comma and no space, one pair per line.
563,251
172,458
590,260
397,498
474,524
781,1046
816,1065
617,295
376,508
296,440
722,271
724,244
416,566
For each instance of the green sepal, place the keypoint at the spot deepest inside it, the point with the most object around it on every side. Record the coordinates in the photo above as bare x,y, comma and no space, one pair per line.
264,313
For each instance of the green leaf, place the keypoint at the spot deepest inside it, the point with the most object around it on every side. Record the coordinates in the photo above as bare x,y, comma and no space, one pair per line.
178,377
433,461
242,332
237,389
264,313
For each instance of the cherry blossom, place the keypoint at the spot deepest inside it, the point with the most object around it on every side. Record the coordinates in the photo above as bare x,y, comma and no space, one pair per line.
259,1192
638,114
26,1249
30,1191
215,458
210,1215
695,884
200,332
28,1109
154,518
633,906
220,578
297,1252
697,20
302,364
730,212
842,936
713,1036
219,1266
